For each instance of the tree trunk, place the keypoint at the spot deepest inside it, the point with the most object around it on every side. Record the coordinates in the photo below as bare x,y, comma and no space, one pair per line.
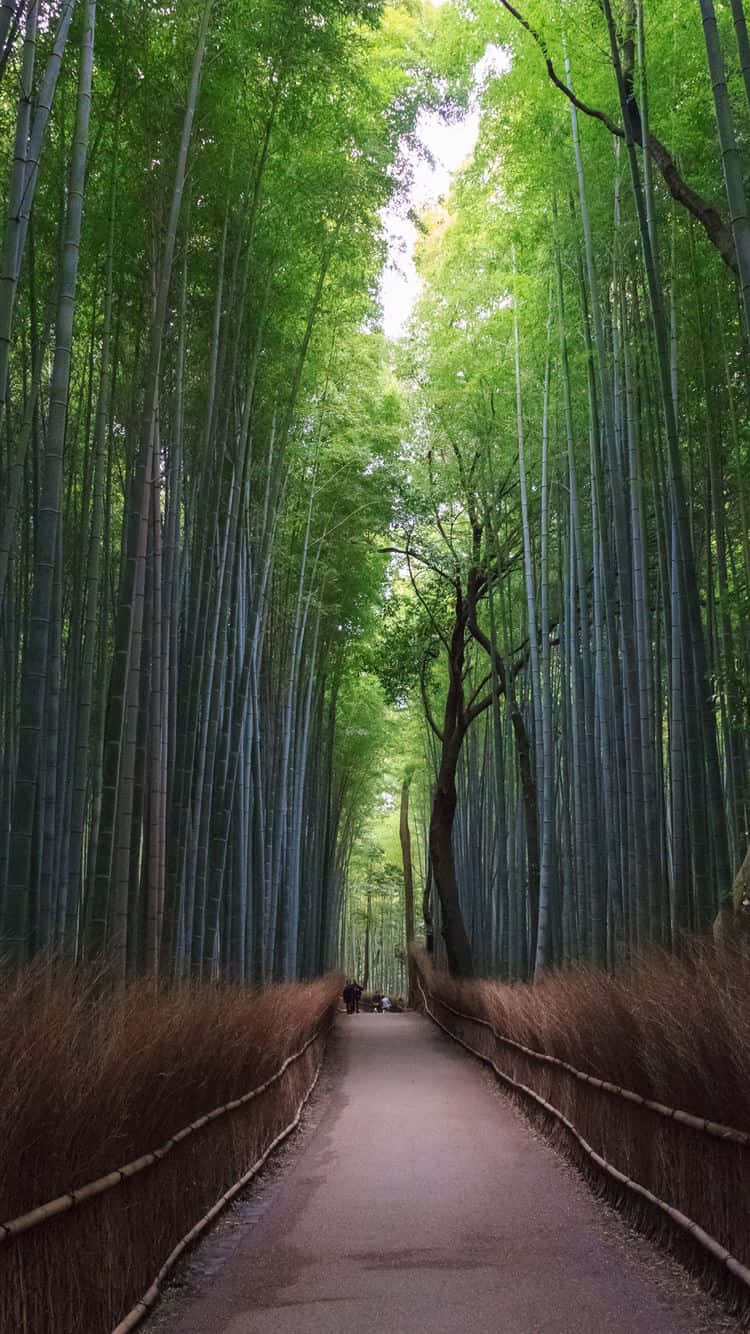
443,864
405,837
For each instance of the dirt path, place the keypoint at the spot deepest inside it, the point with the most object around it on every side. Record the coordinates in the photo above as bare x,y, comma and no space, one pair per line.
422,1204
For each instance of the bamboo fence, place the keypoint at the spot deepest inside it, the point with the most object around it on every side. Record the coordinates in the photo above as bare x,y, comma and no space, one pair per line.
85,1261
673,1172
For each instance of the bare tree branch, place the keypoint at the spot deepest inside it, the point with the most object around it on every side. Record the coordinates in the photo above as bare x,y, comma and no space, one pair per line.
479,688
423,602
425,702
709,217
436,511
409,554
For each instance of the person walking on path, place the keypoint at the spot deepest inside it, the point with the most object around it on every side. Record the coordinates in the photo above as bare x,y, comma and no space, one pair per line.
357,993
348,994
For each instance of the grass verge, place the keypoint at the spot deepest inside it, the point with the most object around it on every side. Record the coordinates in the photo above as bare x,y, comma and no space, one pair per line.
89,1082
674,1030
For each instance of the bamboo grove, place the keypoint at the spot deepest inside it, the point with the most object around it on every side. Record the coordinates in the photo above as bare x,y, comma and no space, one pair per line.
244,539
575,547
189,382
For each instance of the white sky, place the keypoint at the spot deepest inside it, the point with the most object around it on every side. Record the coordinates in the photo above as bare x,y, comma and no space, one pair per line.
450,146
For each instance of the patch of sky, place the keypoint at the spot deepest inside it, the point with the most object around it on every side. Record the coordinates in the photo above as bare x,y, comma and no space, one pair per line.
442,147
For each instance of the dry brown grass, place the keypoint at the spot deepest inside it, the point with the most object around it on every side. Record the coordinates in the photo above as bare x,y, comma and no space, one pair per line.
89,1082
675,1030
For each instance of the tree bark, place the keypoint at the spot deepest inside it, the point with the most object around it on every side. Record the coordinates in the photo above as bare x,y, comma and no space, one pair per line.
405,837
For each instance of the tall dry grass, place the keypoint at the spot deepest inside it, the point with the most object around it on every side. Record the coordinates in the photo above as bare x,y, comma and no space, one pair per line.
674,1030
90,1081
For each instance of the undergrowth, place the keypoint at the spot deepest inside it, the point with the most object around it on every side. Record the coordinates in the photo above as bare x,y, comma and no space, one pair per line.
674,1029
91,1080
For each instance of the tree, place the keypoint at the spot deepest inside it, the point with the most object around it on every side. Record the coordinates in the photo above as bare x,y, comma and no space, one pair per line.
584,369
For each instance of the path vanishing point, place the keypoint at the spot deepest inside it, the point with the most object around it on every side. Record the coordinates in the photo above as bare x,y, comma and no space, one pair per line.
422,1203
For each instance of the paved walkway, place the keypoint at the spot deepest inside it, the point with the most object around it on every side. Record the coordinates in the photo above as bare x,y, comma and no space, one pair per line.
422,1204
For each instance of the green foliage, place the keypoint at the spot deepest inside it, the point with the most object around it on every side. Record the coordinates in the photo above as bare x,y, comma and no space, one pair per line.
328,494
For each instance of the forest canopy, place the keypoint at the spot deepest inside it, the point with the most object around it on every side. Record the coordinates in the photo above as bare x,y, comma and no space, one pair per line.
261,565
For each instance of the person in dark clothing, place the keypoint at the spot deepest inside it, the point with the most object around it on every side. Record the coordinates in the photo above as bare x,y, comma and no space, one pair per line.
348,994
357,990
377,1002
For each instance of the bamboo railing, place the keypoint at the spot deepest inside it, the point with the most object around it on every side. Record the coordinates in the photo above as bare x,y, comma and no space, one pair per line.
151,1295
44,1212
721,1136
151,1218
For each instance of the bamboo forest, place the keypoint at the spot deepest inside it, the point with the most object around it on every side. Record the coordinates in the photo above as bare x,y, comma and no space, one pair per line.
321,632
